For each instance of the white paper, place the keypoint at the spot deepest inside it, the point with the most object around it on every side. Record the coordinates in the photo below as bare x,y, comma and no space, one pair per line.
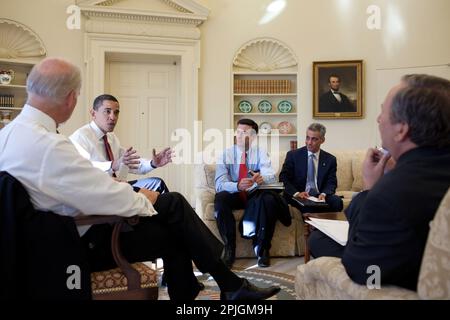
315,199
335,229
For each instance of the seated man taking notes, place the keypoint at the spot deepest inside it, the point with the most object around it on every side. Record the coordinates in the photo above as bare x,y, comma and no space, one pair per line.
240,170
310,171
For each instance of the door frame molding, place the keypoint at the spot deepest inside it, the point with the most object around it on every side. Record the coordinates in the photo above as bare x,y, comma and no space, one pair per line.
98,45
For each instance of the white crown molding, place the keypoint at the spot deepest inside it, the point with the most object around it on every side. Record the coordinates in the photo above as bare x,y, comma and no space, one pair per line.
264,54
19,41
142,29
191,13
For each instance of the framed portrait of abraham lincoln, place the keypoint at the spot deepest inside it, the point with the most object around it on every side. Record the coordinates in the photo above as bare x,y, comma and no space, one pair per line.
338,89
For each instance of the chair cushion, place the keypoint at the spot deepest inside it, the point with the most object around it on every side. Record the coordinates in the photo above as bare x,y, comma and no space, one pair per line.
434,277
114,280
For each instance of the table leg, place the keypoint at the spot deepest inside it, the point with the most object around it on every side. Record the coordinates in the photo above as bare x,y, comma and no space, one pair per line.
306,231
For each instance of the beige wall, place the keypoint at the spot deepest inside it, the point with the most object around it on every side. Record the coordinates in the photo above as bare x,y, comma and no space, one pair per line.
315,30
48,19
323,30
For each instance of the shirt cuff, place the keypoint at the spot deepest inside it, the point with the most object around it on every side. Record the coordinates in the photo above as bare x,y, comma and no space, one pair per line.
151,164
296,194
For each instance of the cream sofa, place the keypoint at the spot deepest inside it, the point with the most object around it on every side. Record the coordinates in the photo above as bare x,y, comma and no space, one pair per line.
326,278
287,241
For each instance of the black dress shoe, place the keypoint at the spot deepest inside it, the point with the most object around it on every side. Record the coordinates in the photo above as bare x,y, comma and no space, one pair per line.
250,292
229,256
264,259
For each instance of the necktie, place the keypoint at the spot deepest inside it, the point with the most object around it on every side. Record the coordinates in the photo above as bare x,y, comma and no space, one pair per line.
311,175
243,171
108,150
337,95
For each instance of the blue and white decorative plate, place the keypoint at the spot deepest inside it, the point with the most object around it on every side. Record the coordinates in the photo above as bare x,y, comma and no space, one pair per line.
284,106
264,106
245,106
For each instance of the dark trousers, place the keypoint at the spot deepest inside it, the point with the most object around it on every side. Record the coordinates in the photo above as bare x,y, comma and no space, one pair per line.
334,202
225,203
152,183
176,234
321,245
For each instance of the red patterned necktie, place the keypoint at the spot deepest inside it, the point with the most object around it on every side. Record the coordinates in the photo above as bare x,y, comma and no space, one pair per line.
243,171
108,150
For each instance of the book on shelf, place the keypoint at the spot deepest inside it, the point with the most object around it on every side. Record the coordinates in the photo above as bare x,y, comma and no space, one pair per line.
335,229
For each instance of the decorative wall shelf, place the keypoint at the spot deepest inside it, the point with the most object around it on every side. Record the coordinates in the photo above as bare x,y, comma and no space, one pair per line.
265,70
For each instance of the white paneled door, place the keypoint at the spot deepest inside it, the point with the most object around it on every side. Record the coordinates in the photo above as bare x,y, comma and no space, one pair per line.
147,94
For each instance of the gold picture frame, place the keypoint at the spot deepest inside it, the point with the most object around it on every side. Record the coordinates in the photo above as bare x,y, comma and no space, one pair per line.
347,102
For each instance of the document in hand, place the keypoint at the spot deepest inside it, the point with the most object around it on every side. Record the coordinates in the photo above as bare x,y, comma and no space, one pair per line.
335,229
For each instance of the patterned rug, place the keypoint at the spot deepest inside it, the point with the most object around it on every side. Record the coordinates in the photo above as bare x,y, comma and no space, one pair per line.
258,277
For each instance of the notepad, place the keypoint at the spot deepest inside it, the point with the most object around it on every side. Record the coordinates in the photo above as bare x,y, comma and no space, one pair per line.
335,229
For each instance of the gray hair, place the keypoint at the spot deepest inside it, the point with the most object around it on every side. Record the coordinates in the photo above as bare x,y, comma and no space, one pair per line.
424,104
54,79
318,127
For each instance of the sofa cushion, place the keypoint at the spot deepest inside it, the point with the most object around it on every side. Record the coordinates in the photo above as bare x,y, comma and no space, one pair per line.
357,161
344,169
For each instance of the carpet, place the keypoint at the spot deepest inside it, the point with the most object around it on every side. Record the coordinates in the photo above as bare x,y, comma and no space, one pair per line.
258,277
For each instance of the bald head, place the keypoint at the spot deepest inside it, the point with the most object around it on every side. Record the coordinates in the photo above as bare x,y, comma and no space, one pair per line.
53,79
53,86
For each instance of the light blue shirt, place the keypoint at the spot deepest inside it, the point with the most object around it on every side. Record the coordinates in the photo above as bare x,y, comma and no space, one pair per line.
227,167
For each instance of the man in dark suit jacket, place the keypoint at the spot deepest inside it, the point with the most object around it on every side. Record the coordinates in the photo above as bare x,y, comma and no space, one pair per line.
333,100
323,181
389,221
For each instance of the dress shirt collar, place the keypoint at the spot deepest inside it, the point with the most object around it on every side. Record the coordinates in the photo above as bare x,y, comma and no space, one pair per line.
316,154
42,118
98,132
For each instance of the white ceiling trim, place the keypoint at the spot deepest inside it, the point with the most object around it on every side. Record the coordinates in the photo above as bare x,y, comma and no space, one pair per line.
190,13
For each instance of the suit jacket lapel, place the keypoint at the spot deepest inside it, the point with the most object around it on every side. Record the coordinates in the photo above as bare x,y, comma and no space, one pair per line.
321,168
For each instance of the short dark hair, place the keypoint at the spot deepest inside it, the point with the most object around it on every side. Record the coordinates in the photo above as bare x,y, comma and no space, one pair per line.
334,76
99,100
249,122
424,104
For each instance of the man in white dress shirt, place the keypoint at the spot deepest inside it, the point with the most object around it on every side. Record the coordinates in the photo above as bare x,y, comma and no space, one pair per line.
58,179
93,138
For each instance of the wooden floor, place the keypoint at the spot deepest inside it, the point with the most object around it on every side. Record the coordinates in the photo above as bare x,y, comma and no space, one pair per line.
286,265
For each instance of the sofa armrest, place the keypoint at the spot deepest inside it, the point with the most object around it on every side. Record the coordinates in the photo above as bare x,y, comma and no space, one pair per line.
326,278
203,198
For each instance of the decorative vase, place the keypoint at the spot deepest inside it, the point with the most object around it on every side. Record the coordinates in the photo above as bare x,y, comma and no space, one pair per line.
6,76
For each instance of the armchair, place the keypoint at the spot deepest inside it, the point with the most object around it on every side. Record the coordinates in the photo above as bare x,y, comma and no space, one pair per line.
36,249
326,278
